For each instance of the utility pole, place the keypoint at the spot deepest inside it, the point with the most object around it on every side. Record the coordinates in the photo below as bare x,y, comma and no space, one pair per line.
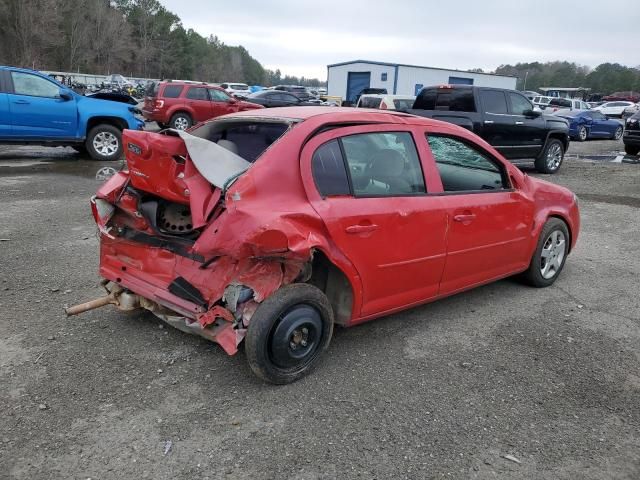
526,74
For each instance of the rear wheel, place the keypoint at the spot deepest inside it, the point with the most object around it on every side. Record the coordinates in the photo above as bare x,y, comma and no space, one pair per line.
632,149
181,121
550,254
582,133
551,158
104,142
618,133
288,333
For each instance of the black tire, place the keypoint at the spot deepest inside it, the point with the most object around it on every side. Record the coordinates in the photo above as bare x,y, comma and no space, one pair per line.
276,331
545,164
107,150
632,149
181,121
534,275
583,134
618,133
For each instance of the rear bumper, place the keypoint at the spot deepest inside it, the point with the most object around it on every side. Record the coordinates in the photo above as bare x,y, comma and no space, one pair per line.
153,116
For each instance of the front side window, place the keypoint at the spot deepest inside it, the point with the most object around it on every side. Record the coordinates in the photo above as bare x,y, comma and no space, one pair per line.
33,85
383,164
493,101
219,95
463,168
519,104
197,93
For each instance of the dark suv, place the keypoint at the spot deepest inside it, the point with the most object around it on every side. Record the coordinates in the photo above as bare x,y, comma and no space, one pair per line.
631,136
504,118
180,105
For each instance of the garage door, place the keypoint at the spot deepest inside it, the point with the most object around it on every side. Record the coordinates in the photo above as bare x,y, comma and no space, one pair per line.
356,82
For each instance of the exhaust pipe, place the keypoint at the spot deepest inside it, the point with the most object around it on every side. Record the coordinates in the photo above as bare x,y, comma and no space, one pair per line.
117,296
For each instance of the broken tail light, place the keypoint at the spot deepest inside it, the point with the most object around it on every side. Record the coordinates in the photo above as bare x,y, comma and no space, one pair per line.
158,103
102,212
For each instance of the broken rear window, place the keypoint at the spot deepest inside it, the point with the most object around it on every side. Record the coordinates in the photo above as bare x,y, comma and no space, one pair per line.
248,139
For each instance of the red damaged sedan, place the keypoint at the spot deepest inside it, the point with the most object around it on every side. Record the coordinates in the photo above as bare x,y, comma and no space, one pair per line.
272,226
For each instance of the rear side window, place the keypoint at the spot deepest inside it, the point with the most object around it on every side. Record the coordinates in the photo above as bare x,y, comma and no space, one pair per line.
493,101
172,91
463,168
370,102
452,99
197,93
329,171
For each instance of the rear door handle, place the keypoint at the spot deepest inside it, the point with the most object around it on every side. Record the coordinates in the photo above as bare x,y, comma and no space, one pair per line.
488,122
361,228
466,217
22,102
519,123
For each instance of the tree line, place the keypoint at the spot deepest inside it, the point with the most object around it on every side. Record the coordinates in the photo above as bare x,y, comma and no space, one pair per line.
138,38
606,78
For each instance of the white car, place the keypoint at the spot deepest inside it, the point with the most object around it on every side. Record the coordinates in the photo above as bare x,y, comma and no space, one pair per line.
631,110
614,109
541,101
236,89
386,102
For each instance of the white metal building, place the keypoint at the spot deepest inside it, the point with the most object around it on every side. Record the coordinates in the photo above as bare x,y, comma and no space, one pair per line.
348,79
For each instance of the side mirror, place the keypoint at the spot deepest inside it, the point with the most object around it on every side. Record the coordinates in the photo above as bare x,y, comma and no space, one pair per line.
531,113
65,95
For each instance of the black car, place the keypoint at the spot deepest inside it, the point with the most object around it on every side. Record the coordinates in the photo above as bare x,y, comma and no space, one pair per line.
504,118
631,136
299,91
277,98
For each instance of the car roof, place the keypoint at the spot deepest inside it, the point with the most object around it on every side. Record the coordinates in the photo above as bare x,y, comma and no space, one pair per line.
385,95
335,114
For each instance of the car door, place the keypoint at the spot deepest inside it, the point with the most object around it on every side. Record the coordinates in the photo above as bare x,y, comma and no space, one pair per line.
530,129
198,101
367,185
498,126
221,102
5,114
489,221
38,111
601,126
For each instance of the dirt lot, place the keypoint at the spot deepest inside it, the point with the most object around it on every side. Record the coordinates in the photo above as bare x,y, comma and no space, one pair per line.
501,382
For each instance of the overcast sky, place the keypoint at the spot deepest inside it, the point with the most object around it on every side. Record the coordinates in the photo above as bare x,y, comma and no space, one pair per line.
302,38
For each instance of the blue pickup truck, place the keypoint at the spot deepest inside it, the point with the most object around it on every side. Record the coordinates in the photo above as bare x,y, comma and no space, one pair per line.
37,110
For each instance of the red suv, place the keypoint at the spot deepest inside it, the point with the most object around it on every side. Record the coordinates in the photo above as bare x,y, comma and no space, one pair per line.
180,105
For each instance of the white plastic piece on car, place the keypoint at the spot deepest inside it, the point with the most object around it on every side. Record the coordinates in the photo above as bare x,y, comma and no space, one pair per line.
215,163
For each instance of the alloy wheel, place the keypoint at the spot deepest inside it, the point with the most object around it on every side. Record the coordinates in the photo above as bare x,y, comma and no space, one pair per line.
181,123
554,157
552,254
105,143
618,133
582,134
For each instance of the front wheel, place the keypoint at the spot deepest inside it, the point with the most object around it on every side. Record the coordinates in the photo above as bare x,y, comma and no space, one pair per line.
618,133
551,158
104,142
582,133
288,333
550,254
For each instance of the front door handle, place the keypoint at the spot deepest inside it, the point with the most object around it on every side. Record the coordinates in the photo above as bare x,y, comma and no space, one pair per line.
519,123
22,102
361,228
465,218
488,122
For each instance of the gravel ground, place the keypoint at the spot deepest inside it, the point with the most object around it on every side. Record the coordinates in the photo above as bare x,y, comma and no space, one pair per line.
501,382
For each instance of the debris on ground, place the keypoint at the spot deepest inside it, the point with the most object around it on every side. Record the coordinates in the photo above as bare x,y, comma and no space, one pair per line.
511,458
167,446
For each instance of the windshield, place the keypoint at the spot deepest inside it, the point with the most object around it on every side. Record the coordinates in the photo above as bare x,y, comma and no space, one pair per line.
403,104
